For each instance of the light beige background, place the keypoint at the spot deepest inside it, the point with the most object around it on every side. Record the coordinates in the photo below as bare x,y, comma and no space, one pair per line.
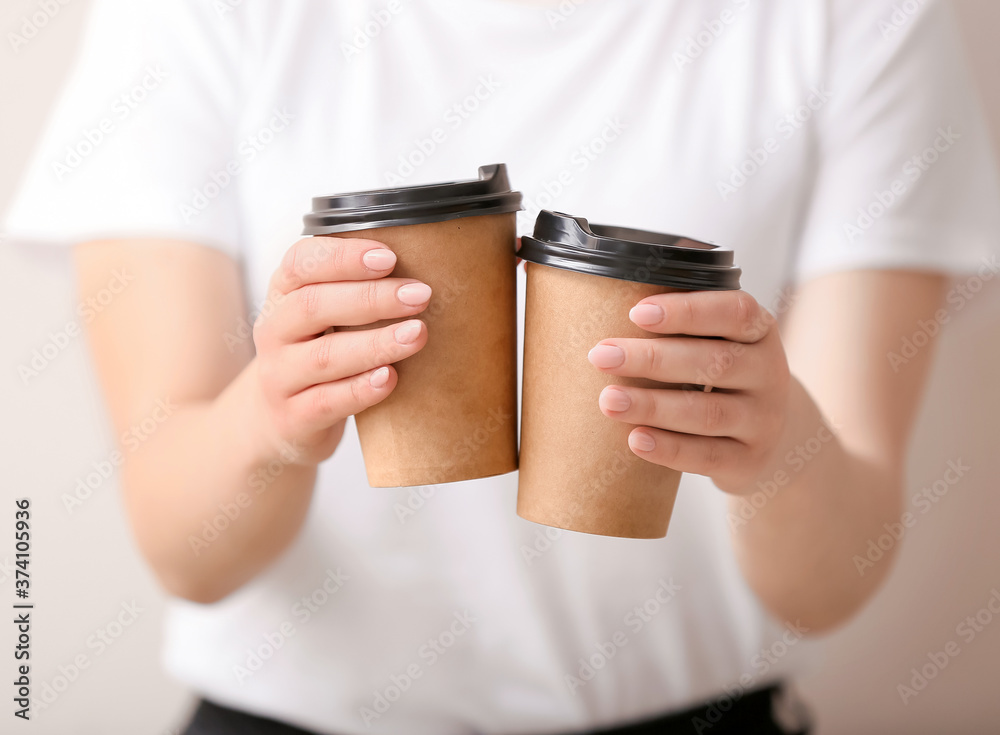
85,566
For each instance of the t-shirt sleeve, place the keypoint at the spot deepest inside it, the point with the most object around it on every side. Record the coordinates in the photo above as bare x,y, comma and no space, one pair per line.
906,174
133,145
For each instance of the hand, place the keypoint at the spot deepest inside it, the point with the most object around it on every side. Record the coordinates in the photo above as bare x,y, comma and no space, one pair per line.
729,434
311,380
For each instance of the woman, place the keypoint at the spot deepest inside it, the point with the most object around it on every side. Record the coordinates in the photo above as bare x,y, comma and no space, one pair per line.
835,145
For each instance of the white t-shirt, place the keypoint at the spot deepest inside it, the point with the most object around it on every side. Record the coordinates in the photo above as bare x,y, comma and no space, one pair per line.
809,136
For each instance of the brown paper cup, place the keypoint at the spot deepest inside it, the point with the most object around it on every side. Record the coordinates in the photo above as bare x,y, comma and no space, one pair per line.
576,469
453,413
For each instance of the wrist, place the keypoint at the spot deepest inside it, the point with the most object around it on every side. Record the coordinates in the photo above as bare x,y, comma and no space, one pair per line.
248,417
807,441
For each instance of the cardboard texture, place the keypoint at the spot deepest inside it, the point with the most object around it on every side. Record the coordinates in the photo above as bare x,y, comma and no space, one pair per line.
453,414
576,469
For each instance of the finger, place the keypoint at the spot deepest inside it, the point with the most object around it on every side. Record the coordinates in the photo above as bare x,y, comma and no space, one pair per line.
719,363
328,259
321,406
316,307
686,412
342,354
698,455
732,315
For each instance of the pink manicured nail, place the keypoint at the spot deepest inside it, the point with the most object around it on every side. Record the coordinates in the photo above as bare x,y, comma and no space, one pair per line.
646,314
379,378
379,259
614,399
414,294
606,356
407,333
641,441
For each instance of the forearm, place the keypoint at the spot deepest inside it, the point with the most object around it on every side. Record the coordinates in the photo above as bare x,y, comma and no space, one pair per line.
798,527
805,500
211,501
223,485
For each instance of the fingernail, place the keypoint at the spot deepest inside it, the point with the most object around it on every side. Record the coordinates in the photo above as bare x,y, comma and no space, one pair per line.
614,399
606,356
407,333
414,294
640,441
379,378
379,259
646,314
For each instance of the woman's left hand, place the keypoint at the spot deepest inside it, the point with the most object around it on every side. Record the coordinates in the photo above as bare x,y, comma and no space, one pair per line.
729,434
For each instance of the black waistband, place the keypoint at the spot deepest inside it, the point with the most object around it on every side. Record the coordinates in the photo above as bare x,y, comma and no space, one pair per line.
751,713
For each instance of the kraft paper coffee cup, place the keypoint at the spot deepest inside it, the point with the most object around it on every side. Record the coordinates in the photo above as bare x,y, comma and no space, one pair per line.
576,469
453,413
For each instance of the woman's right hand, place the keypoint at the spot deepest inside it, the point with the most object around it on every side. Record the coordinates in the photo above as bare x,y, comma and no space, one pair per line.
311,380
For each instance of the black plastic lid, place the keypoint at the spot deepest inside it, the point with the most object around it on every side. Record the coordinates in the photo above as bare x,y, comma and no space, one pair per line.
364,210
571,243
